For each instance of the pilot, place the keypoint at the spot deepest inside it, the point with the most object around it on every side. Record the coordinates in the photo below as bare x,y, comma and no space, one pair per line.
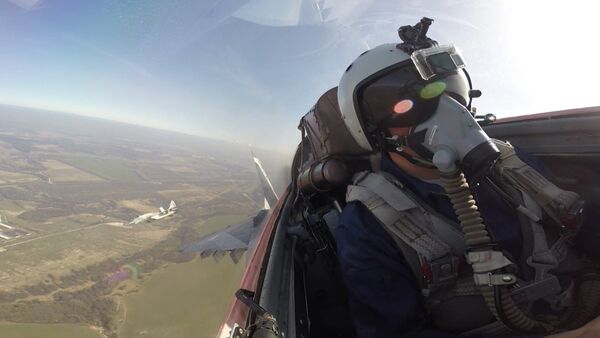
451,233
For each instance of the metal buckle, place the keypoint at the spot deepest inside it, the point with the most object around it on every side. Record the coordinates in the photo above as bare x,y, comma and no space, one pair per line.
440,272
491,279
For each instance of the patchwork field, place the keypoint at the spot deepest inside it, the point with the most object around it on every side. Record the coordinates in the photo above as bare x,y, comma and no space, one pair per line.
108,168
63,251
58,171
8,177
72,193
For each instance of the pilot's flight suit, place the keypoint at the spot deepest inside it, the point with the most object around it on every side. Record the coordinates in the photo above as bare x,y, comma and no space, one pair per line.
384,297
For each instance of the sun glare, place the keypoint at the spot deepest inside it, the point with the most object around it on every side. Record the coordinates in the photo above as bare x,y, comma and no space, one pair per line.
551,52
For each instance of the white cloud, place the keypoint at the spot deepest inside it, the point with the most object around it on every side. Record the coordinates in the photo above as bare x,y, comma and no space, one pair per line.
26,4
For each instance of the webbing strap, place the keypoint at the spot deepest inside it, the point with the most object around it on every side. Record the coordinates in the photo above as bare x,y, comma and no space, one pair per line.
400,224
419,238
418,233
375,184
390,205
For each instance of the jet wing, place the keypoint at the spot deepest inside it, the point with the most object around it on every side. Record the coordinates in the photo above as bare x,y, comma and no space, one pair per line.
233,240
236,239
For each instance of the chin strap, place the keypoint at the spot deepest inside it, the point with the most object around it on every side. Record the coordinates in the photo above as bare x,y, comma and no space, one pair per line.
395,144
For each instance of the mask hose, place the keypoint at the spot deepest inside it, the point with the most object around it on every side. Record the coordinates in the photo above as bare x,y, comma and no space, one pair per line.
587,306
476,235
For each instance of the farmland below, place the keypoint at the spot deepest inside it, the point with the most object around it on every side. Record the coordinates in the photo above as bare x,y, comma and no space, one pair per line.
72,265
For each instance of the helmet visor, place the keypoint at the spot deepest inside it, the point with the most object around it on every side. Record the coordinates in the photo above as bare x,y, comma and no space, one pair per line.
408,94
399,98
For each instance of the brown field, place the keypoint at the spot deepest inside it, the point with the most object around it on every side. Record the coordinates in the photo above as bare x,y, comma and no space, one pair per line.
11,208
58,253
59,171
141,206
7,177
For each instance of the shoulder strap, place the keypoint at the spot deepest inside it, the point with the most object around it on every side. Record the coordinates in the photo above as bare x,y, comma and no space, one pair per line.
405,215
378,185
392,208
418,233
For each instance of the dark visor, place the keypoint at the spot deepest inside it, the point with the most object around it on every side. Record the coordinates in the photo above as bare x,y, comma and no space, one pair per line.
399,98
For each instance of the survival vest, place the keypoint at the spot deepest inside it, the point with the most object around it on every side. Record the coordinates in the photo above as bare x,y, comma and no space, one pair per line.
434,249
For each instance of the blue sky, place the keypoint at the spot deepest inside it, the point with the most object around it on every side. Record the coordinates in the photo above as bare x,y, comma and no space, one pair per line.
247,70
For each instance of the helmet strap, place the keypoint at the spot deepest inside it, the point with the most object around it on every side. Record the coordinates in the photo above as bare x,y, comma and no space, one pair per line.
397,145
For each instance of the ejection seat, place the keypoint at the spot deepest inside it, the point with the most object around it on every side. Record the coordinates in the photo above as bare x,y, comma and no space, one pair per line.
324,164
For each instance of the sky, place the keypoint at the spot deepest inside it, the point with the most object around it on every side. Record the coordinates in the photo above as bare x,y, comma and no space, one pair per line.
247,70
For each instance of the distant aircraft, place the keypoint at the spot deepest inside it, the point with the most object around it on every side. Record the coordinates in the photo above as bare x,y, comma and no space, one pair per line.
152,216
162,213
238,238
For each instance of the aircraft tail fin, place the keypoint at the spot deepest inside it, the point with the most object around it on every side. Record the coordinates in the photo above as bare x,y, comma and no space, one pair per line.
268,191
172,205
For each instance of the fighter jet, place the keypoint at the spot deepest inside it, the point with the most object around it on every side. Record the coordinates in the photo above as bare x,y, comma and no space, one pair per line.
162,213
152,216
237,239
292,285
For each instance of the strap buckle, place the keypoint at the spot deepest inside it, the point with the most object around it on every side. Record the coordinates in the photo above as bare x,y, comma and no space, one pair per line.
440,272
491,279
487,260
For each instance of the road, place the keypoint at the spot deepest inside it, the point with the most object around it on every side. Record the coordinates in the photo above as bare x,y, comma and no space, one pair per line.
87,227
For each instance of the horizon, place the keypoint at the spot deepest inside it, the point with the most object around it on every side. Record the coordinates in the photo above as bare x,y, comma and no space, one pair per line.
231,70
141,126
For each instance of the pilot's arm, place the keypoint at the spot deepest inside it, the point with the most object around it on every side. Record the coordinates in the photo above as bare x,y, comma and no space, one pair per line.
384,298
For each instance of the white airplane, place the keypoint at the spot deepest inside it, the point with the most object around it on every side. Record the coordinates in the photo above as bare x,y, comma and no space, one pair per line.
151,216
165,213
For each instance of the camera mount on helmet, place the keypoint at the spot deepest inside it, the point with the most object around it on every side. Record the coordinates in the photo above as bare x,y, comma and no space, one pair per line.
415,37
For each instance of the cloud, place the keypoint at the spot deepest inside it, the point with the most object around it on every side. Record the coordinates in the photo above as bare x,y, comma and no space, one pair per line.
27,5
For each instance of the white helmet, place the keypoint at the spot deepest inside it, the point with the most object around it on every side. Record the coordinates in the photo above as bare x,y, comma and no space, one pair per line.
381,78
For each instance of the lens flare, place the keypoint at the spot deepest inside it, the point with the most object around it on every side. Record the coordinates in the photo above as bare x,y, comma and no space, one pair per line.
403,106
432,90
129,271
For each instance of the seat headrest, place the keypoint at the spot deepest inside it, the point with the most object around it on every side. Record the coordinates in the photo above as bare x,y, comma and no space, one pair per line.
327,132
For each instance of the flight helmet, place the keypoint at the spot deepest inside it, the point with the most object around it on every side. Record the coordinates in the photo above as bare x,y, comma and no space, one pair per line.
402,85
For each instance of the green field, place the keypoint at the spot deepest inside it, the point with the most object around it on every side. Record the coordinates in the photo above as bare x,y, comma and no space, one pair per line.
178,301
184,300
111,169
217,223
10,330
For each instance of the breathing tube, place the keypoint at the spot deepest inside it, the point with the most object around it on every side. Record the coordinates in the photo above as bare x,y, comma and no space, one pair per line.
477,239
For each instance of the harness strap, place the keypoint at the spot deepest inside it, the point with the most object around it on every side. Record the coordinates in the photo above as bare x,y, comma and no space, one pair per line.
432,260
399,224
